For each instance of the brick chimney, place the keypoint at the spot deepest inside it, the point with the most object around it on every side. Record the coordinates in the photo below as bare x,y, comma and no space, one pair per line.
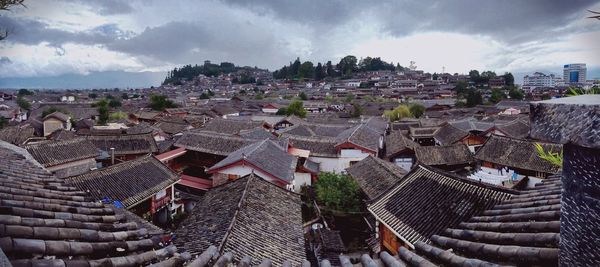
575,122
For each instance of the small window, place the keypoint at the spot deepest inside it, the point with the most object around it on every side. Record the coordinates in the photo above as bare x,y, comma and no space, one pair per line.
232,176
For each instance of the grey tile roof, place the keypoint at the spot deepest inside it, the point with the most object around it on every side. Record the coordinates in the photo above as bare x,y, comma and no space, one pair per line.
396,142
257,134
362,135
129,182
47,223
311,166
449,134
416,132
212,143
125,144
230,126
318,146
444,155
16,135
427,201
247,217
266,155
516,129
375,176
571,119
54,153
58,115
517,153
172,127
523,231
472,124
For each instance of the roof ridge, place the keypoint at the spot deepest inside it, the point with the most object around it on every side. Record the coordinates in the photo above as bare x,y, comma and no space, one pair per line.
383,164
113,168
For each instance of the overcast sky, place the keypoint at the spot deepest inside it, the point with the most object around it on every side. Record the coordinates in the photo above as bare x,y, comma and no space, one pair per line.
69,37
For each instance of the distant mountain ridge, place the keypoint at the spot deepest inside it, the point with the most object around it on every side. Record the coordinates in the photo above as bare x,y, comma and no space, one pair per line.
93,80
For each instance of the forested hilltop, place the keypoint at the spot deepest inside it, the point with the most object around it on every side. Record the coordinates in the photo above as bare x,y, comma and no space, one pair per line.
188,72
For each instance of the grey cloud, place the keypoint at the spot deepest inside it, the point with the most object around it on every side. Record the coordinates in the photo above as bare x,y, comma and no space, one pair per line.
512,20
192,42
31,32
5,61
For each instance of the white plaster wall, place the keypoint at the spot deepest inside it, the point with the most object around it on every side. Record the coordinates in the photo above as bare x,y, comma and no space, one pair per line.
245,170
336,165
301,179
353,153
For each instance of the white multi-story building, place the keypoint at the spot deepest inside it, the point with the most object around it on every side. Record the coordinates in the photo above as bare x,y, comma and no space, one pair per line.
575,73
541,80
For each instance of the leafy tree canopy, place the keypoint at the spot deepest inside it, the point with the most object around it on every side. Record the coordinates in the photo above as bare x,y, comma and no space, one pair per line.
497,95
23,103
400,112
295,108
161,102
24,92
416,110
338,192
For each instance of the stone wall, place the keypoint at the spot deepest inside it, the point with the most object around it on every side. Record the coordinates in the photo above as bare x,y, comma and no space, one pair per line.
575,122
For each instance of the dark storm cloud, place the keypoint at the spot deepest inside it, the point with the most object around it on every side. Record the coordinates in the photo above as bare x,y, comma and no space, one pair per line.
31,32
511,20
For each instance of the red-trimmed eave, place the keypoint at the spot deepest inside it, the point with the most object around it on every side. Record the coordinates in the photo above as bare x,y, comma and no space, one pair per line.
171,154
195,182
244,162
349,144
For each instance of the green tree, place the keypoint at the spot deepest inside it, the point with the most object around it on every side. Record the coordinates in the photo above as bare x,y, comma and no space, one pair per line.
338,192
124,96
2,122
347,66
296,108
281,111
461,89
259,96
113,103
93,95
24,92
118,115
319,72
307,70
329,71
303,96
294,68
417,110
497,95
161,102
509,79
103,111
400,112
23,103
474,76
205,95
474,98
356,110
516,93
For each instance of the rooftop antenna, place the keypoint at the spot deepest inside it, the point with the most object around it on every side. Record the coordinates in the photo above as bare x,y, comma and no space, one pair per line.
443,69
